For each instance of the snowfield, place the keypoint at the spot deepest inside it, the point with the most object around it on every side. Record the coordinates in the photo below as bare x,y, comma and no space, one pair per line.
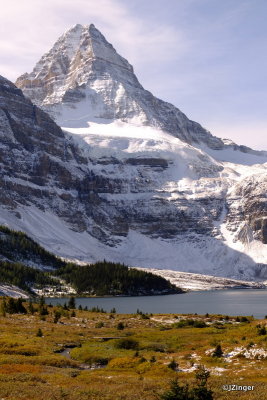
12,291
191,175
132,179
221,256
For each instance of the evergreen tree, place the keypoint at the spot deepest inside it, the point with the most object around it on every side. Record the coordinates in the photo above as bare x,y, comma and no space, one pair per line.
41,301
3,307
57,316
15,306
11,306
261,330
201,391
184,392
173,365
218,351
72,303
39,333
20,307
42,307
176,392
120,326
31,308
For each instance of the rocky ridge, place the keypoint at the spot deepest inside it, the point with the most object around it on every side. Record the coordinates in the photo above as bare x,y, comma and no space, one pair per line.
82,78
129,187
44,166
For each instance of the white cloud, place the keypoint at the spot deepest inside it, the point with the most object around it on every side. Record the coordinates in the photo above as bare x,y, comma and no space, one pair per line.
200,59
30,27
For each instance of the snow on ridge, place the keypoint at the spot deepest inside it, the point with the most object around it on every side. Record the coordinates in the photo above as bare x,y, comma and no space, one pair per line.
12,291
123,140
190,281
195,254
229,154
119,138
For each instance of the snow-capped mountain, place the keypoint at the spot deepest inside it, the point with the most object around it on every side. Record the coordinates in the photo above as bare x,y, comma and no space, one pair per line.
129,178
82,78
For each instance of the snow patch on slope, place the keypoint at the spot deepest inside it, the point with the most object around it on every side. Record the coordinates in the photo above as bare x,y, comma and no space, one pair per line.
123,140
12,291
191,281
191,253
233,155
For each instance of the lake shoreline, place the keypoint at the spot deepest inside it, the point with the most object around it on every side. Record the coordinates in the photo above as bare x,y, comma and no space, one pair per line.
238,301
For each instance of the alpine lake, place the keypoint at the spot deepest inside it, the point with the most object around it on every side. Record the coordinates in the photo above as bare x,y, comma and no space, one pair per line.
240,302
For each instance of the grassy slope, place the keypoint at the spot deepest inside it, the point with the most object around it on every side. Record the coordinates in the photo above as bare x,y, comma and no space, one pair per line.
30,368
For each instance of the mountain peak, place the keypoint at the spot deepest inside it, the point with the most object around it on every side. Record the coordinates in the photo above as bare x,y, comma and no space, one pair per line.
80,56
92,28
83,79
79,27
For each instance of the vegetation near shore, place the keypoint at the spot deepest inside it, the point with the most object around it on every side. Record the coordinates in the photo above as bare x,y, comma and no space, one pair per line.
19,253
107,278
62,352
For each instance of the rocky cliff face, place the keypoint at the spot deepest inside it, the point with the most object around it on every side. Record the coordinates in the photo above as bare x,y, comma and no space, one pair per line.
43,166
247,203
37,161
83,78
122,180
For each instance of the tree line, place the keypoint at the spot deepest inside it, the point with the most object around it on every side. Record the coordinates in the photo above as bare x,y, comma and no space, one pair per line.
17,246
108,278
101,278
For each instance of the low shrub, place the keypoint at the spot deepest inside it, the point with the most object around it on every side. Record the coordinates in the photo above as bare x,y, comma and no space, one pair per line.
127,344
196,323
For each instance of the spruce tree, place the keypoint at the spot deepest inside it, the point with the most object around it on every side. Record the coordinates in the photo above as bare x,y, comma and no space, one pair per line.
11,306
218,351
31,308
3,307
20,307
72,303
39,333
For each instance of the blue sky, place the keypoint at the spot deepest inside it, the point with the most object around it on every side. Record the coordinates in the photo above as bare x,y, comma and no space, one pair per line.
208,57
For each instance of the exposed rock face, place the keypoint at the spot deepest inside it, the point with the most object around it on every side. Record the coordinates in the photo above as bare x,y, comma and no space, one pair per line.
43,166
83,78
36,158
171,194
247,204
131,187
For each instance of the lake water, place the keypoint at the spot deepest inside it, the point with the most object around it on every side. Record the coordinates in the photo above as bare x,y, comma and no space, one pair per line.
227,302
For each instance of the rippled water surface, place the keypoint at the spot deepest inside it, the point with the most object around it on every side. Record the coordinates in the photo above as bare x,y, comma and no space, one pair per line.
228,302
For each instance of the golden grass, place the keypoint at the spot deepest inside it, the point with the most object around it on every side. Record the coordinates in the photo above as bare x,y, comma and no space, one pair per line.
31,367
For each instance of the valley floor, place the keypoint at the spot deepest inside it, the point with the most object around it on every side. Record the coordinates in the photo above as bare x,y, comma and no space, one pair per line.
78,354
